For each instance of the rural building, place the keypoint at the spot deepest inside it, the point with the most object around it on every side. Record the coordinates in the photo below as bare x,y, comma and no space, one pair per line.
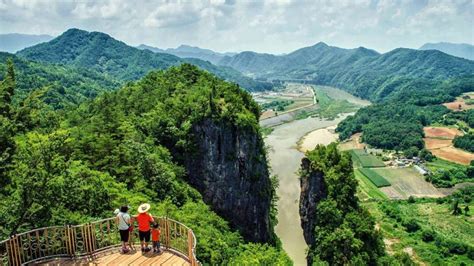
421,170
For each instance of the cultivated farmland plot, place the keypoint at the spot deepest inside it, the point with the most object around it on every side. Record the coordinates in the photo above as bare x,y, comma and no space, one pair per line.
363,159
406,182
375,178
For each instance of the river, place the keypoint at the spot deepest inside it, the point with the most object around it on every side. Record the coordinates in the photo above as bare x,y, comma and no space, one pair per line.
284,162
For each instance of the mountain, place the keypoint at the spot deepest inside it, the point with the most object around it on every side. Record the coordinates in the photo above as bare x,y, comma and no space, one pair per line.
13,42
99,51
151,48
186,51
63,85
360,71
463,50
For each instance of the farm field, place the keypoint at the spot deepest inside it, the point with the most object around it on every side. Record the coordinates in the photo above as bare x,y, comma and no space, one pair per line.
441,132
378,180
430,216
366,190
338,94
438,140
460,101
363,159
406,182
294,95
454,154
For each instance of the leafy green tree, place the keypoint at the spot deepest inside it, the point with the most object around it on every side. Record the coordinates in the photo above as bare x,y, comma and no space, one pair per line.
7,124
344,231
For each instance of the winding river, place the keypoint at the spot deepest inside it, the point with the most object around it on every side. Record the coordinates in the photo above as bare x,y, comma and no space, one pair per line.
285,161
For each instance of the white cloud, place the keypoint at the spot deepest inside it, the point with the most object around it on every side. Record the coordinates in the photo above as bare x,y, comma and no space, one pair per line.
267,26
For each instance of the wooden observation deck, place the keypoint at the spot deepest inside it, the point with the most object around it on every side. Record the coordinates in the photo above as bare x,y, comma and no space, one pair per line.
97,243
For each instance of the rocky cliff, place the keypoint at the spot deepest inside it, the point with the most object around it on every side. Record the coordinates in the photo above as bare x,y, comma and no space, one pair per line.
229,168
313,190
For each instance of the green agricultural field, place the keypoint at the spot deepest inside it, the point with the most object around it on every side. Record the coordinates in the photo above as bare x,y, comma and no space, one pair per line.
366,189
365,160
451,240
406,182
374,177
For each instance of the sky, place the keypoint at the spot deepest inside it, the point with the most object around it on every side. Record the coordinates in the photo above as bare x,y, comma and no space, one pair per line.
270,26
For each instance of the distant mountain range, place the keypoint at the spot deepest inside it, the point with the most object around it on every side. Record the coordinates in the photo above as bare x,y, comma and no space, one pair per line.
13,42
102,53
463,50
186,51
360,71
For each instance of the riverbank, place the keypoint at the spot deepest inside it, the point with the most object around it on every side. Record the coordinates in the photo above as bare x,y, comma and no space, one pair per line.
285,159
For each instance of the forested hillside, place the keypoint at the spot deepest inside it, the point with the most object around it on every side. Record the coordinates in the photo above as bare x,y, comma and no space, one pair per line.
360,71
129,147
57,85
111,57
337,229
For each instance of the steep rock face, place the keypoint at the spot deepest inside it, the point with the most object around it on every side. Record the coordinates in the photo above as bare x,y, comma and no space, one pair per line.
229,168
313,190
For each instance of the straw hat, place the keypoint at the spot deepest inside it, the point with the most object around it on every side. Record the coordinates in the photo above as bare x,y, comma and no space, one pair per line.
143,208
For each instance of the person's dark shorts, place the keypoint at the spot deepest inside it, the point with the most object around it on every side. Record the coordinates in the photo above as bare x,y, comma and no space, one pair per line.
124,234
144,236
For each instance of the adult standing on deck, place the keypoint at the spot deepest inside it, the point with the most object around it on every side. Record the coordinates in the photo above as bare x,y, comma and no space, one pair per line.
144,220
123,221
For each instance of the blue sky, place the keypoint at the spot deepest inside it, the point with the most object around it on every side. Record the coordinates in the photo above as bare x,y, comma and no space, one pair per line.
273,26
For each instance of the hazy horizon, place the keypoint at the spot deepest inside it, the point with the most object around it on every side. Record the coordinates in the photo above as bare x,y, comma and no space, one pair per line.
265,26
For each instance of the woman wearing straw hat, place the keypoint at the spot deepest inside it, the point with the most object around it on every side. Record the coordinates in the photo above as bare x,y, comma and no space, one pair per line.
144,220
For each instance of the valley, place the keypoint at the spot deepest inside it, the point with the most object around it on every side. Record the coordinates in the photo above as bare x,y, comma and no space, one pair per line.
267,147
285,156
293,135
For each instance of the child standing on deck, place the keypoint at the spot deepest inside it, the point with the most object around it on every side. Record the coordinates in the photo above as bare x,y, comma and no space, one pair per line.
155,237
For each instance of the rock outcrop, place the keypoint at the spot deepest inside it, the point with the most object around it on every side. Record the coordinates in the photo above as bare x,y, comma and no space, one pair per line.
229,168
313,190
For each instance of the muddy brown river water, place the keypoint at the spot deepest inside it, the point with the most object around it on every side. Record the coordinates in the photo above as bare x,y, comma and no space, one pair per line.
285,161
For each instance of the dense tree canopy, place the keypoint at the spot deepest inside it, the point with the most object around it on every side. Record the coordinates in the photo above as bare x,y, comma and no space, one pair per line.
344,232
465,142
121,148
398,122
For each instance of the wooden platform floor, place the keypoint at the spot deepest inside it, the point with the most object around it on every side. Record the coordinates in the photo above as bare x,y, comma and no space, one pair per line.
132,258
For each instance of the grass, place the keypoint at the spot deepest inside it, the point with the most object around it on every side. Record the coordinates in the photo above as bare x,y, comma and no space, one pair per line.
266,131
440,164
365,160
328,107
374,177
367,190
430,216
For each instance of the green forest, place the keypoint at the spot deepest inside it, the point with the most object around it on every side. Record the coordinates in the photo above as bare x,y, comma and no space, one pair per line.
344,231
465,142
397,123
124,147
110,57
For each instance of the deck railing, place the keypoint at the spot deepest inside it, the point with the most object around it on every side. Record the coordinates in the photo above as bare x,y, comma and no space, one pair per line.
75,241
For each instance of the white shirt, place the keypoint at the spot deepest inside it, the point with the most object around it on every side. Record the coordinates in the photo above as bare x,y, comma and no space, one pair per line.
123,220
